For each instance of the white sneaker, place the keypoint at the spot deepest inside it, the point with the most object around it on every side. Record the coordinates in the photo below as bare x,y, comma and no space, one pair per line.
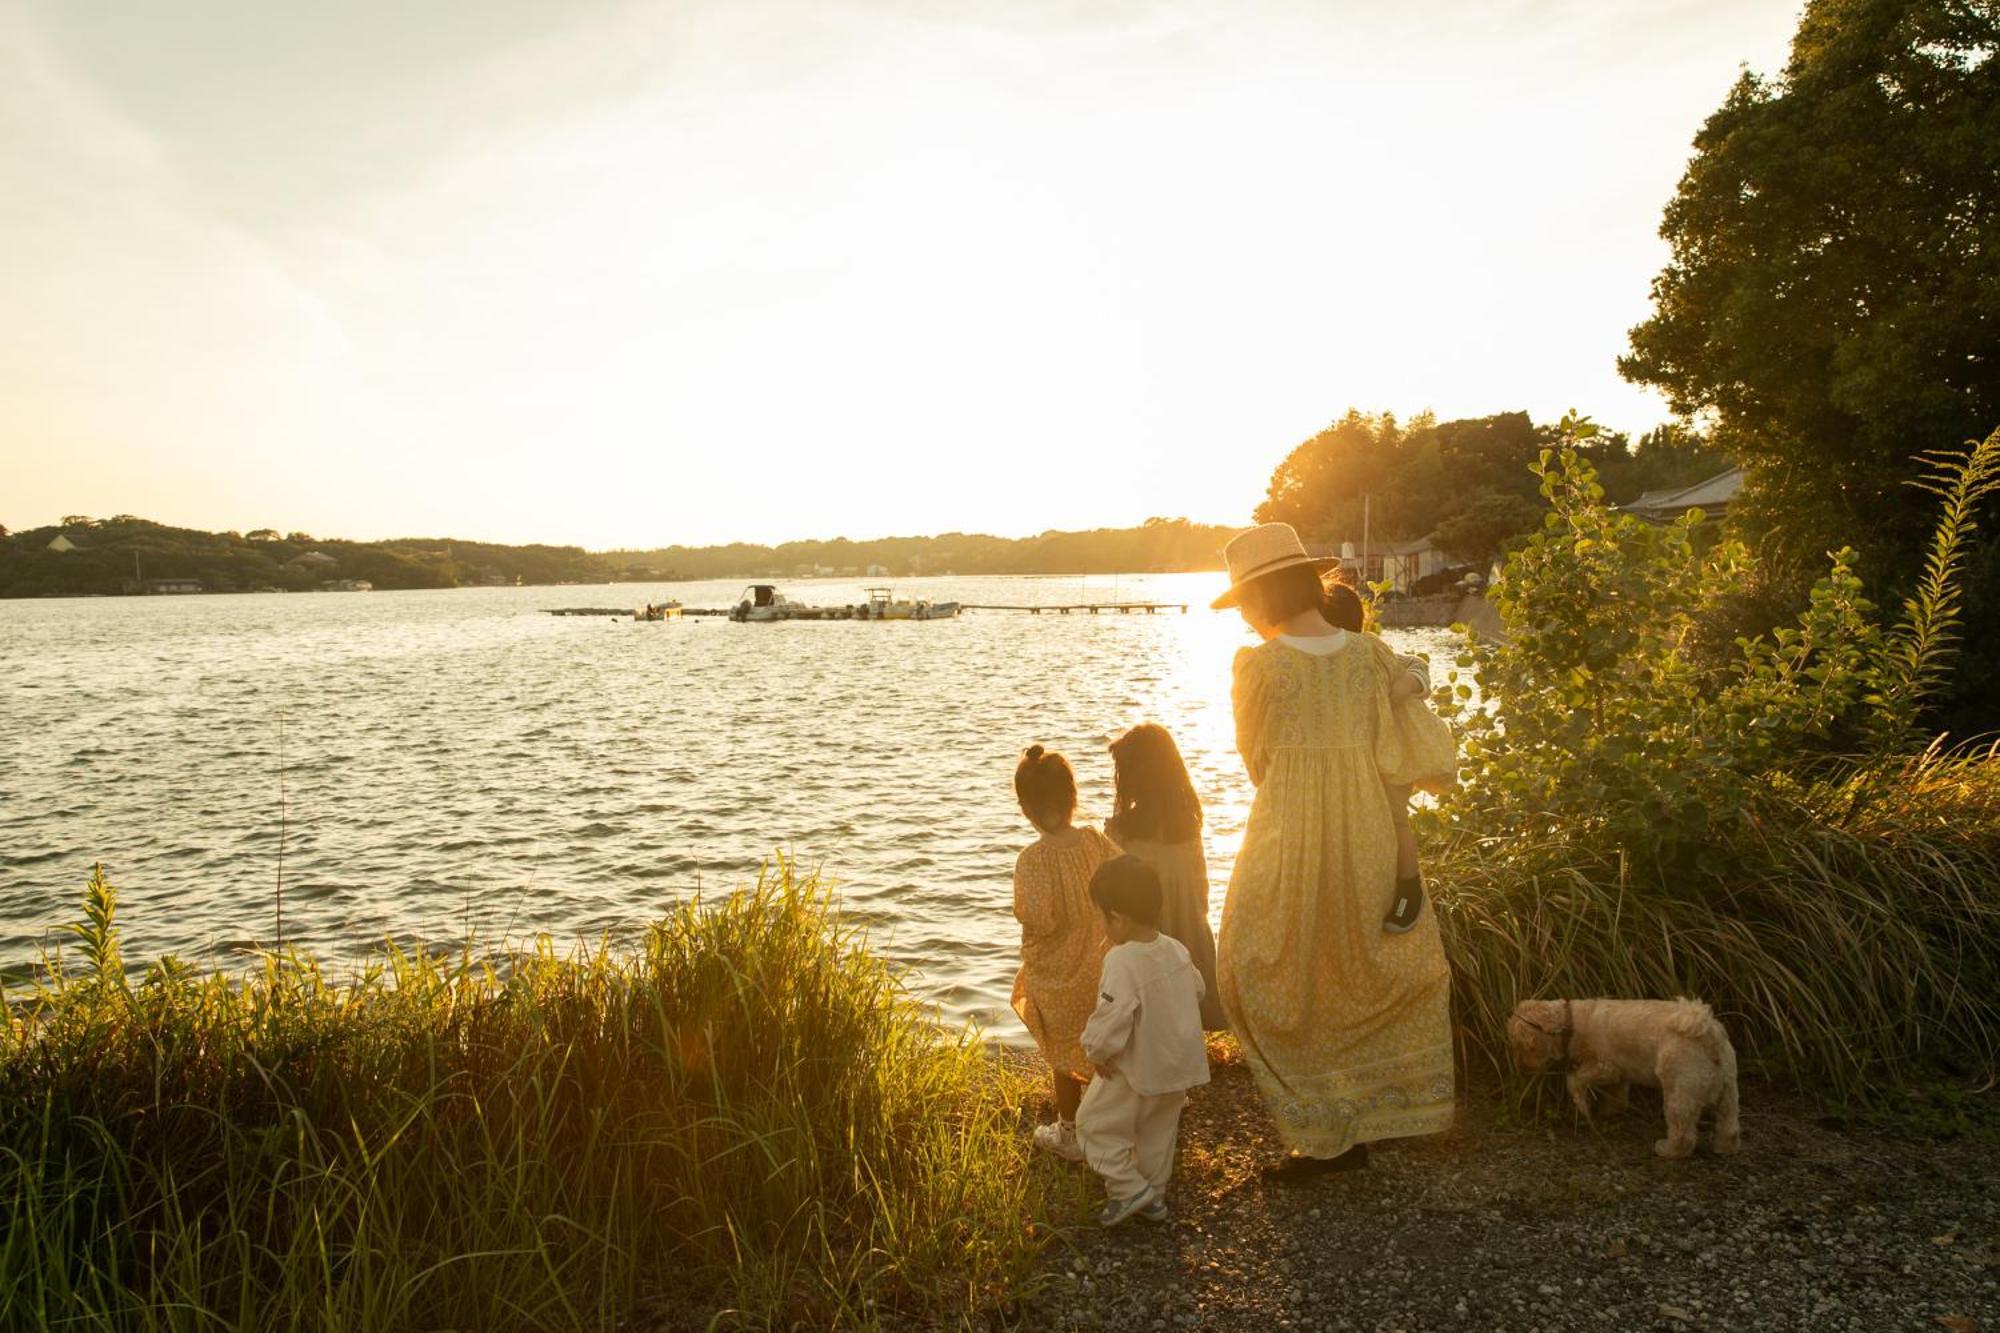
1118,1210
1156,1211
1059,1138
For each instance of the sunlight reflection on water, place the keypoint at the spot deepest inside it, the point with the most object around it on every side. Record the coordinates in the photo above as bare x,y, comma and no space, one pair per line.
457,763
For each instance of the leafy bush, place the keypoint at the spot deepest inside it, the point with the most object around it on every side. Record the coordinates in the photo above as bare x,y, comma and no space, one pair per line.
744,1117
1641,814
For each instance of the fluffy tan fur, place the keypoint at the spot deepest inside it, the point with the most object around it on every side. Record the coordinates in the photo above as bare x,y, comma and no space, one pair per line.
1676,1046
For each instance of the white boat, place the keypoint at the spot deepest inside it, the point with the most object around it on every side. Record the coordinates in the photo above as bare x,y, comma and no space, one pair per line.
763,602
883,605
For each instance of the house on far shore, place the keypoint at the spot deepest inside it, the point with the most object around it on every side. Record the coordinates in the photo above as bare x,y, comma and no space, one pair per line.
61,543
1712,497
170,587
311,562
1400,564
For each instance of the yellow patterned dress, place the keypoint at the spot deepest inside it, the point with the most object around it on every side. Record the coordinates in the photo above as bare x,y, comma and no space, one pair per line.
1062,943
1346,1027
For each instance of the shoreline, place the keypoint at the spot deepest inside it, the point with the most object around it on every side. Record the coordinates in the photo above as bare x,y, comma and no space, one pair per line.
1519,1221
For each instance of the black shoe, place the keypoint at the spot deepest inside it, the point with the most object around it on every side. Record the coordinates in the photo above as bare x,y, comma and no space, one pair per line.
1409,905
1297,1167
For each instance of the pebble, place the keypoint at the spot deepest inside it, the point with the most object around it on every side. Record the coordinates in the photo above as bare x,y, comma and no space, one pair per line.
1510,1225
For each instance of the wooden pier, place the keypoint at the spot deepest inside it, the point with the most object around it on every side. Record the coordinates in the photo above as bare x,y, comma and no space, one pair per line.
1089,608
859,613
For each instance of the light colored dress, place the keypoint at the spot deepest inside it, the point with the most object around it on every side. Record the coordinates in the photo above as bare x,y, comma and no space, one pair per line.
1062,943
1346,1027
1183,871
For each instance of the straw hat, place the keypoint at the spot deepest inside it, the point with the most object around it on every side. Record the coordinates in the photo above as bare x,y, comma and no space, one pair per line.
1264,549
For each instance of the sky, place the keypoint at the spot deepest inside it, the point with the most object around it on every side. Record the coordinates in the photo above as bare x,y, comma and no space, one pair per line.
633,274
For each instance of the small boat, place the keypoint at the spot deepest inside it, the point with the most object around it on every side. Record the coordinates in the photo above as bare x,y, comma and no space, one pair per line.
762,602
883,605
658,611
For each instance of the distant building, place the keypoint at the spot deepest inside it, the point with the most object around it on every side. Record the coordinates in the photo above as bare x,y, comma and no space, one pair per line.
1713,497
62,543
347,585
312,562
878,571
170,587
1400,564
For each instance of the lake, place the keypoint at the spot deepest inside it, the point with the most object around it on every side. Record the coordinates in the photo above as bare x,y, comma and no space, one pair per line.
432,766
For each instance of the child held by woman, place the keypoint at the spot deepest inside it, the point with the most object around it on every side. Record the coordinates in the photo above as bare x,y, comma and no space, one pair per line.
1341,606
1062,934
1145,1039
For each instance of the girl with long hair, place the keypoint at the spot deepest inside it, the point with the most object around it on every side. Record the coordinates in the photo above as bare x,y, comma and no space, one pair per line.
1156,817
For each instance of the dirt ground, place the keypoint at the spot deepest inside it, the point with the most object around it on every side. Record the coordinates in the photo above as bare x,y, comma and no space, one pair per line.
1509,1222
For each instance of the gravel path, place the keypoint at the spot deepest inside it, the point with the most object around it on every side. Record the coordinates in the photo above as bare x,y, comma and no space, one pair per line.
1532,1226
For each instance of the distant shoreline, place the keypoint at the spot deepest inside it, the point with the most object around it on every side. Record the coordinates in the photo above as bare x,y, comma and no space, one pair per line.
127,555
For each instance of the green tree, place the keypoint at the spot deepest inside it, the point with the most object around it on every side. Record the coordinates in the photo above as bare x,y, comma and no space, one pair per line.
1832,300
1481,529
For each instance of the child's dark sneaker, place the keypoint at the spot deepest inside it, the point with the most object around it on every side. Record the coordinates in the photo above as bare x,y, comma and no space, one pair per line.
1116,1211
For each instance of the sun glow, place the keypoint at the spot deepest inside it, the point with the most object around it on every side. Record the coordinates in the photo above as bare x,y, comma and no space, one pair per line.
638,274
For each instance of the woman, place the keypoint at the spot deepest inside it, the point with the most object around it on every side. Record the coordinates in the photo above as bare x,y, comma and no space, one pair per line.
1157,817
1346,1026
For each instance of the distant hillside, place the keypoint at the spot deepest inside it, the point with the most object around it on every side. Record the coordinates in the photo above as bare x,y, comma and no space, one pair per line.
1161,545
85,557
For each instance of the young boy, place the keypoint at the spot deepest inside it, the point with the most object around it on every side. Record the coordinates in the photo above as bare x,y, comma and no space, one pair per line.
1145,1040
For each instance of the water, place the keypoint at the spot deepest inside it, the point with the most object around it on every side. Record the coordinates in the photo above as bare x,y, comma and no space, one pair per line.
438,765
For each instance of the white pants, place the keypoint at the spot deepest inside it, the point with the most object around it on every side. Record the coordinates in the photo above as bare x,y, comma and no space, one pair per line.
1127,1137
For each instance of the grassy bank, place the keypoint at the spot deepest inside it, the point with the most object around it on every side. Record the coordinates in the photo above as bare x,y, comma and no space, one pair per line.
741,1115
1649,807
1849,935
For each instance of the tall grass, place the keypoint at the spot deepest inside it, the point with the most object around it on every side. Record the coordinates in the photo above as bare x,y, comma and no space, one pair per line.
741,1118
1760,825
1851,940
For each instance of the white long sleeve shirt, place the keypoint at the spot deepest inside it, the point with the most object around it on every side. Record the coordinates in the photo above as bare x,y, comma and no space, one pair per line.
1147,1025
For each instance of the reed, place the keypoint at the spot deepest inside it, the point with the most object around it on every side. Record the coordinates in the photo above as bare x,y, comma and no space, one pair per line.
742,1118
1850,940
1644,811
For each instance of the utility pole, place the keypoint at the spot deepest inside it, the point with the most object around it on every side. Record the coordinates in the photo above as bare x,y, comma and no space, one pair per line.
1365,551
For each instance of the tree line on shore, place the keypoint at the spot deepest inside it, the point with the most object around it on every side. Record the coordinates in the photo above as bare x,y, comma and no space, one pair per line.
84,556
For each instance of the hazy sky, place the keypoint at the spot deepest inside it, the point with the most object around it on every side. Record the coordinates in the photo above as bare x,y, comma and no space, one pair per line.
631,274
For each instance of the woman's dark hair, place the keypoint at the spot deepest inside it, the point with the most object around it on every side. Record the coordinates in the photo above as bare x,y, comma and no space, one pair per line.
1341,605
1128,885
1278,596
1045,785
1153,800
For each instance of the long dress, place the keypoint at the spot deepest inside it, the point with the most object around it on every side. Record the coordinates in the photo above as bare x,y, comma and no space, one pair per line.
1347,1028
1183,871
1062,943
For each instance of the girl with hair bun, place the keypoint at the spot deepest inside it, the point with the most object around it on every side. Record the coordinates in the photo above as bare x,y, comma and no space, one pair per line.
1062,934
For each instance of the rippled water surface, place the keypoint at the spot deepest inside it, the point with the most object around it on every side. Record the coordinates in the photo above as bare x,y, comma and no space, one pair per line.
433,764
